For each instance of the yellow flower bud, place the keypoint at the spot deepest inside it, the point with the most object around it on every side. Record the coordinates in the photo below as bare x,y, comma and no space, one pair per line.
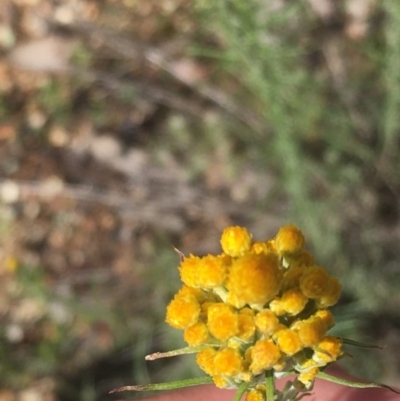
308,377
314,282
263,247
255,279
288,341
293,301
311,331
220,381
326,316
188,270
280,365
187,292
235,241
211,272
205,360
247,327
255,395
259,247
222,321
328,350
228,362
266,321
331,295
277,307
291,278
182,312
264,355
289,240
197,334
301,259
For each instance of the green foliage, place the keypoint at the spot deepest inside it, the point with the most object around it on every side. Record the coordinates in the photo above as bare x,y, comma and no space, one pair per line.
312,136
331,135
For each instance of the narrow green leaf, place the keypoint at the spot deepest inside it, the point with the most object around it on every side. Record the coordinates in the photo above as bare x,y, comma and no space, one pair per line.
181,351
241,390
359,344
349,383
165,386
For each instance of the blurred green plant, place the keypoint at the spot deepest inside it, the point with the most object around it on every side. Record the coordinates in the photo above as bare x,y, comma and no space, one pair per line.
329,105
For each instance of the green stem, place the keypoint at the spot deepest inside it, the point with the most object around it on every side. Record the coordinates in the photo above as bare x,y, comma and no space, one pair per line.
270,385
241,390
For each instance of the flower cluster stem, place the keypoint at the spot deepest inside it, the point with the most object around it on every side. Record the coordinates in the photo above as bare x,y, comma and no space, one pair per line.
241,390
270,385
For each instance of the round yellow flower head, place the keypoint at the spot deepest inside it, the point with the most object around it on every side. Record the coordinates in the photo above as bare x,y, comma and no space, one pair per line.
289,240
222,321
264,355
197,334
255,279
228,362
235,241
258,307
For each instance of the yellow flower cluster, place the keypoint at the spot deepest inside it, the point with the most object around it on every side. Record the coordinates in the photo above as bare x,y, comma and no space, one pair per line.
257,306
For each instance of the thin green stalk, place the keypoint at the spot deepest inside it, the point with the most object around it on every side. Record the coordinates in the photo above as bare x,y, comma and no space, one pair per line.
270,385
241,390
166,386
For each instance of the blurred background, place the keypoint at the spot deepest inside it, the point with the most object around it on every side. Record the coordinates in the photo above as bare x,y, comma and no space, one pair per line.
129,127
